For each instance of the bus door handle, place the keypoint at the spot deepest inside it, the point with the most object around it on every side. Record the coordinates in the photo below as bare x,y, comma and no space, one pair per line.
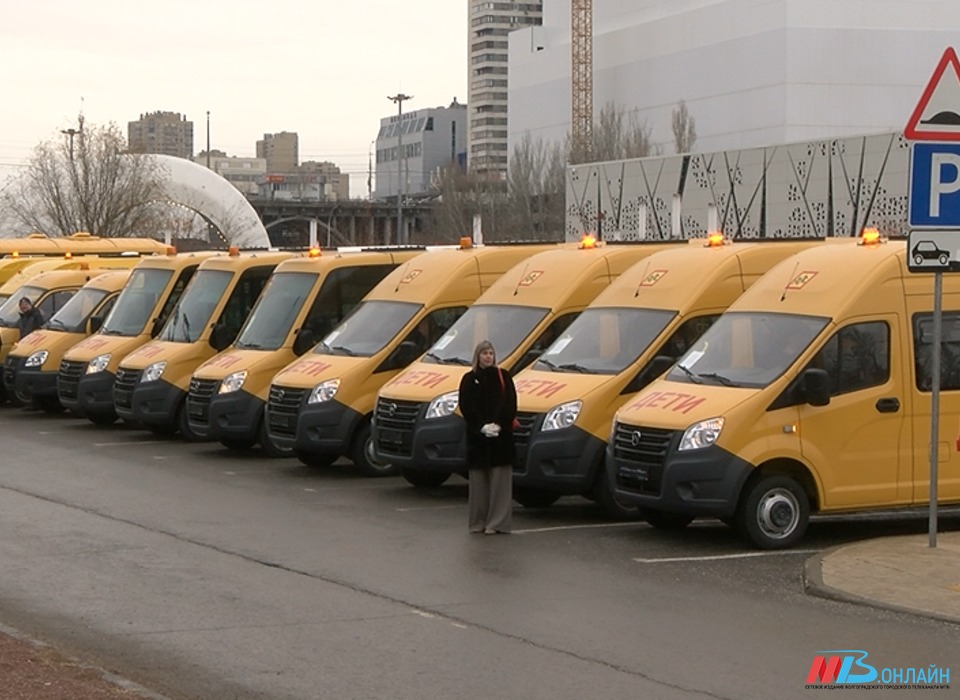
888,405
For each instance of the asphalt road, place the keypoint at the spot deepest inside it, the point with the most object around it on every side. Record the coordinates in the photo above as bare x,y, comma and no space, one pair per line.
200,573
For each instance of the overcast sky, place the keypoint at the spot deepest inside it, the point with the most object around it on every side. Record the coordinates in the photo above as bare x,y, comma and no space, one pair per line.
321,68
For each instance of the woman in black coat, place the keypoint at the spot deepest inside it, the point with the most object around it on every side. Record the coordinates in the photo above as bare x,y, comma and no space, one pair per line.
488,402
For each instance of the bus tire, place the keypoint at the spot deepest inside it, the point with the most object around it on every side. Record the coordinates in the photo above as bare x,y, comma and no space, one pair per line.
604,493
663,520
534,498
774,512
363,457
423,478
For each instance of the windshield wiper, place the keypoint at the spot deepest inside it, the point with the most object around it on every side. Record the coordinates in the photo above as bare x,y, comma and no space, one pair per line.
548,363
690,375
726,381
456,361
249,346
343,350
573,366
60,325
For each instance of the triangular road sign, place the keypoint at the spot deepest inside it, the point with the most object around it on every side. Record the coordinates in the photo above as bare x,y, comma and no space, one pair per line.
937,115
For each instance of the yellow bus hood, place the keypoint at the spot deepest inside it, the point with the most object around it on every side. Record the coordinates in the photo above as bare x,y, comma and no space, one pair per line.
675,406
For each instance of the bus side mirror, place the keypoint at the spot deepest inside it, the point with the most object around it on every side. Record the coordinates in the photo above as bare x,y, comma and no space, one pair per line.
816,386
303,342
220,337
96,323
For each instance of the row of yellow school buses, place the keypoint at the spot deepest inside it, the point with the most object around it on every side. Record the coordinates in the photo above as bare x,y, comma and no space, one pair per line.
755,382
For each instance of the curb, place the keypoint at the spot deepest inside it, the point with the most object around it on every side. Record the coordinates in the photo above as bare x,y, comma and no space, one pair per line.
813,584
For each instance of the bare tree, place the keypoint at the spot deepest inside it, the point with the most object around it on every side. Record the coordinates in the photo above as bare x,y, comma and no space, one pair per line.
87,183
617,136
684,129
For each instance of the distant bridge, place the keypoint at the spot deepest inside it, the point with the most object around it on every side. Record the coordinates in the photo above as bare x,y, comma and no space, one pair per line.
351,222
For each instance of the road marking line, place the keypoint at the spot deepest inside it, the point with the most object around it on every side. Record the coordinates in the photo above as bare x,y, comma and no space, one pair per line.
718,557
132,442
573,527
407,510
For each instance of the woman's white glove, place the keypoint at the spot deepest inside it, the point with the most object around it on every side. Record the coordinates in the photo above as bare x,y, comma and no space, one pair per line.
490,430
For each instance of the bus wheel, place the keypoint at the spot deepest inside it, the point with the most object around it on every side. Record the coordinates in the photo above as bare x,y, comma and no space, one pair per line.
422,478
666,521
774,512
102,418
269,447
238,444
315,459
364,458
604,493
534,498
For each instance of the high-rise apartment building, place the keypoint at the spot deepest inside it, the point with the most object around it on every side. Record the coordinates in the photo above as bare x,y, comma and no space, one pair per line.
166,133
281,151
490,23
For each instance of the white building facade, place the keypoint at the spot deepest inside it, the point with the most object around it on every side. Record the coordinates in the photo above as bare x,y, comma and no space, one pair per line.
751,72
431,139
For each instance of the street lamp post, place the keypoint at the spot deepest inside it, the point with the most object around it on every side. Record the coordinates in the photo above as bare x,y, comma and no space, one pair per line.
399,99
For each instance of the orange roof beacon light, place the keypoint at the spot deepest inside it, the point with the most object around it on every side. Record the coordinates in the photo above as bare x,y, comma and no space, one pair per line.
588,241
715,240
870,236
314,253
68,255
233,251
466,243
15,254
171,250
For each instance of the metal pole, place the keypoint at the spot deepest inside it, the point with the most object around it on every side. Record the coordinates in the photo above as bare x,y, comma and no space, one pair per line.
399,99
208,139
935,405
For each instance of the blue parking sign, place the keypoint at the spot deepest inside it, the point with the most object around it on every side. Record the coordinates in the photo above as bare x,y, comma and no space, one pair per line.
935,185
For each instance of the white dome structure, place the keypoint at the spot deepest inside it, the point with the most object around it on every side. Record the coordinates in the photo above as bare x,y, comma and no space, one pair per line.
201,190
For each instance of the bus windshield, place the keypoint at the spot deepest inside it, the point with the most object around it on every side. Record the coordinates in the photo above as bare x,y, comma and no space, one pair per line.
747,349
504,326
604,340
368,329
10,311
275,311
136,302
196,306
72,318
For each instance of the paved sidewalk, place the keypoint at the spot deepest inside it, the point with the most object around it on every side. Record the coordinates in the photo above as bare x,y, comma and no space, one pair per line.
897,573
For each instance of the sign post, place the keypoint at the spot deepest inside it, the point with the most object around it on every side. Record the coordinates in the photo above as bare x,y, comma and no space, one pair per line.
934,216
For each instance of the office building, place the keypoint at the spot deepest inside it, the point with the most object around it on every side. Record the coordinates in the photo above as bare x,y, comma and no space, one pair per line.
281,151
432,139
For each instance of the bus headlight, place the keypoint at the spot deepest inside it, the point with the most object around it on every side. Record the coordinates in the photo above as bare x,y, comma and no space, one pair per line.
36,359
233,382
98,364
702,434
443,405
324,391
562,416
153,372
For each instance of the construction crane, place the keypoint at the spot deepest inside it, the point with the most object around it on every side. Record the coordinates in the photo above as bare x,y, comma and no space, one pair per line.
582,71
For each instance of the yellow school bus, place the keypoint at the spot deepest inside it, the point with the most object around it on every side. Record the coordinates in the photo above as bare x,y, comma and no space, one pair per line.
811,394
30,372
80,243
306,297
48,291
88,370
152,381
320,406
416,427
15,272
627,337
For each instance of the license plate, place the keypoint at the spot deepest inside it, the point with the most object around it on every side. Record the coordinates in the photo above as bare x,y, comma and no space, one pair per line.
392,437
